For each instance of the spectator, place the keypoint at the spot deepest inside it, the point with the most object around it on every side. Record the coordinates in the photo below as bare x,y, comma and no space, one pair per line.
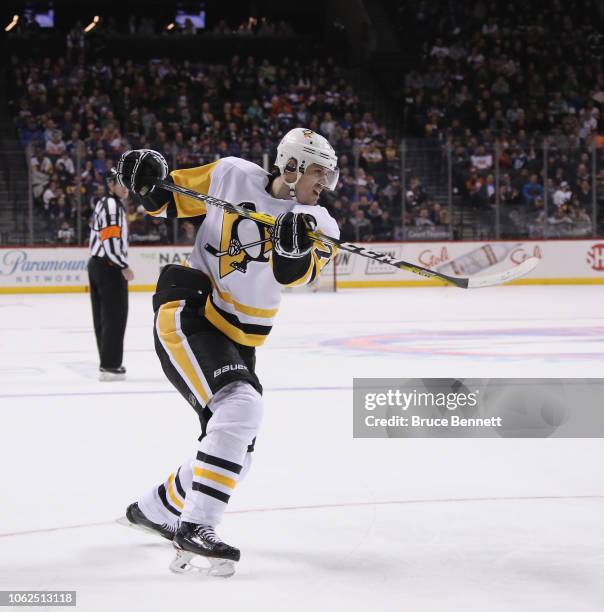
581,220
475,188
187,233
562,195
51,193
533,189
490,189
584,196
482,160
55,146
435,213
41,162
66,233
65,168
443,218
560,217
416,195
423,220
362,226
374,211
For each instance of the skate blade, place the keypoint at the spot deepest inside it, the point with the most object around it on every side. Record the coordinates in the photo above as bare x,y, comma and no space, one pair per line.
110,377
126,523
220,568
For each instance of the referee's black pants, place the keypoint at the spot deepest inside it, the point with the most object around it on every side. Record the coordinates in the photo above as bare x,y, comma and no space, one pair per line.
109,297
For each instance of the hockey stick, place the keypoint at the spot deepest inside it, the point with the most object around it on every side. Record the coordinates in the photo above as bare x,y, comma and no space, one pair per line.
269,221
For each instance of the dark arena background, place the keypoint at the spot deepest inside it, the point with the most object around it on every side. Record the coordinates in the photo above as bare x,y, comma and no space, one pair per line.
470,144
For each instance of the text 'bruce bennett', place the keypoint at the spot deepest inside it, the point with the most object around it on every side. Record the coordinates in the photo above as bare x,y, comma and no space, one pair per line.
417,421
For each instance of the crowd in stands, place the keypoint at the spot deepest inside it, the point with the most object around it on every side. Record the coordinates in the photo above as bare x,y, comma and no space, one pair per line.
78,119
511,97
255,26
499,82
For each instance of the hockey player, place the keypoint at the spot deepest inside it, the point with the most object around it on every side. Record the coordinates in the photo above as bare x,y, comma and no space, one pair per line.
212,314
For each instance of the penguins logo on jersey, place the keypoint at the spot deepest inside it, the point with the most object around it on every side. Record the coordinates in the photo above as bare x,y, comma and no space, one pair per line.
241,241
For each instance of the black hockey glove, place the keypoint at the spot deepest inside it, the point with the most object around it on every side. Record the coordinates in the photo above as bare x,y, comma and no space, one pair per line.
289,234
139,169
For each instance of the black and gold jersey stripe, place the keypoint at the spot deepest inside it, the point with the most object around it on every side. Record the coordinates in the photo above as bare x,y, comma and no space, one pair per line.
248,334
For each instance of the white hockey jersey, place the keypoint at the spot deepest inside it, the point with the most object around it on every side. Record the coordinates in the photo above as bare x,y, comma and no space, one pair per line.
235,253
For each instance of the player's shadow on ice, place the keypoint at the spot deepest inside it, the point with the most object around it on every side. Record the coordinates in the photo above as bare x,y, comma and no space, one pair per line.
125,553
331,562
94,563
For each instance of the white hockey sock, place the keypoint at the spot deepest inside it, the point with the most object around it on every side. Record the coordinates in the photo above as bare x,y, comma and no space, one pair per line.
167,506
236,416
238,407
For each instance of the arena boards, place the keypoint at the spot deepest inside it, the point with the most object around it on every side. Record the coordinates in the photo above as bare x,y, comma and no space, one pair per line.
63,270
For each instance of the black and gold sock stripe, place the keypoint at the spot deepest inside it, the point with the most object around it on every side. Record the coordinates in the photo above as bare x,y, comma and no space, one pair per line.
213,478
178,484
172,494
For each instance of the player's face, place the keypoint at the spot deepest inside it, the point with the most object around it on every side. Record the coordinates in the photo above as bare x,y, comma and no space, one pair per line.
311,184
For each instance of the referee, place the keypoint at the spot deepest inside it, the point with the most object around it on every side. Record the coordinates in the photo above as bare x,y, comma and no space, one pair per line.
109,274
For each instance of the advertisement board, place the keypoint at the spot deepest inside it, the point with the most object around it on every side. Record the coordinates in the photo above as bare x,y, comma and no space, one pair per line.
39,270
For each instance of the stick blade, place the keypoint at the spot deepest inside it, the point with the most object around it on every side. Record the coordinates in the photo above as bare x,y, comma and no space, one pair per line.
506,276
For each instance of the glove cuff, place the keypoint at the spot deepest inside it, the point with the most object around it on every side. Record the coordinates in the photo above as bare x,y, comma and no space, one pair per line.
295,255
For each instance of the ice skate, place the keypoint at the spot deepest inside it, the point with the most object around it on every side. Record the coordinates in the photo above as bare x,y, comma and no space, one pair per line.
136,518
200,543
112,374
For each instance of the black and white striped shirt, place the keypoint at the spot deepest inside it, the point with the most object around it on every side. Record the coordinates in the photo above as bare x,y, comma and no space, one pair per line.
109,231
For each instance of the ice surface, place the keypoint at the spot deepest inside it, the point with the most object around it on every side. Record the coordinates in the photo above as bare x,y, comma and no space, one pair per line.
324,522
